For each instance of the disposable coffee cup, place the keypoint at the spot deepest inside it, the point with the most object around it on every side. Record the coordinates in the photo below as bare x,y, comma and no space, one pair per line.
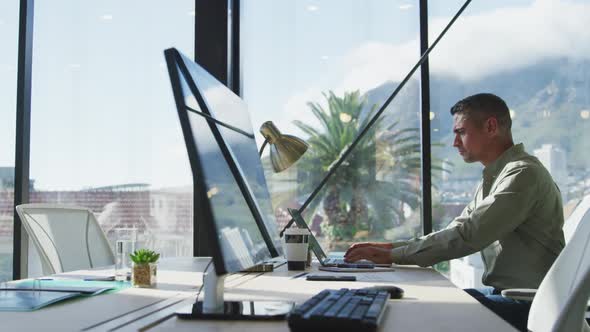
296,248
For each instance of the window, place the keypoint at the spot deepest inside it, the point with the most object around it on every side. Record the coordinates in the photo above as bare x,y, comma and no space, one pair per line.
318,69
538,61
9,14
104,130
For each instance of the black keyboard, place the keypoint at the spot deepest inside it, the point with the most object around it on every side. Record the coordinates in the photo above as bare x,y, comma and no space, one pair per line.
340,310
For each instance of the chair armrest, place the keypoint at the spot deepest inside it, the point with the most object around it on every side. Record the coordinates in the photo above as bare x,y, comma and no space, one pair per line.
523,294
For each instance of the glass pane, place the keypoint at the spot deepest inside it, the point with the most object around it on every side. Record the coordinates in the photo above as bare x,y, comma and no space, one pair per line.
9,13
104,132
319,77
538,61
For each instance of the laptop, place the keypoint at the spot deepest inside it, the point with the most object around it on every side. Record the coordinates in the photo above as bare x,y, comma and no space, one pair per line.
332,262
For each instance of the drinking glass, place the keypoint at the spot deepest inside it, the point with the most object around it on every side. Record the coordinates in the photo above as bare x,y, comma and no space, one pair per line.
125,241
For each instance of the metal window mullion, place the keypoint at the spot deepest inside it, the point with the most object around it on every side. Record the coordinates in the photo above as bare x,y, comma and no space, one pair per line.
23,134
217,50
234,69
211,37
425,123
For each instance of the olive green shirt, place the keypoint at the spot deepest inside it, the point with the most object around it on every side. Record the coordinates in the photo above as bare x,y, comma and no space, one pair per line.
515,221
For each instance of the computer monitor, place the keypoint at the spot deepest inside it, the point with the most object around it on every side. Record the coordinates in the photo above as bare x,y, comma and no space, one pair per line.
232,201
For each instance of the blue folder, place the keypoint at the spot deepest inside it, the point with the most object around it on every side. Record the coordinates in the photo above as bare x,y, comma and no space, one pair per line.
30,295
28,300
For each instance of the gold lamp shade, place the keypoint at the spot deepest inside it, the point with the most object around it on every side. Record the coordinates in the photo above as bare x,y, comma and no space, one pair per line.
285,150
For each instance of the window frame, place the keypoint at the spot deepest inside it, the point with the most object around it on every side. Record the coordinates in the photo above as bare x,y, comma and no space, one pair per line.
217,48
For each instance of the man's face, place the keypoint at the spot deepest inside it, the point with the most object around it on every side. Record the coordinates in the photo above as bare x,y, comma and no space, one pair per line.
470,138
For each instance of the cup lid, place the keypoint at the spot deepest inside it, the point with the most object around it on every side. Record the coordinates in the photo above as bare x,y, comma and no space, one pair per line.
296,231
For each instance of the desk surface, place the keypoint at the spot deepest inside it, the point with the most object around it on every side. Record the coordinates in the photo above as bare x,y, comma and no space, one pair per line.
431,302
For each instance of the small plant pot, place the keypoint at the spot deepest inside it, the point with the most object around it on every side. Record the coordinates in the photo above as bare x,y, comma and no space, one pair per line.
144,275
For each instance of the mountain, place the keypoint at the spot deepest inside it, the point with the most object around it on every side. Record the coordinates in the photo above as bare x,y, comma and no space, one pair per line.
547,98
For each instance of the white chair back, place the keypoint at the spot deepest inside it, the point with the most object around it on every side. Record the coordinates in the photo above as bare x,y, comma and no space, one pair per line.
560,302
68,238
580,215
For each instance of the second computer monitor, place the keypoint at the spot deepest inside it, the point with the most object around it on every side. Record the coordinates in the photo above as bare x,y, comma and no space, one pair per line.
231,194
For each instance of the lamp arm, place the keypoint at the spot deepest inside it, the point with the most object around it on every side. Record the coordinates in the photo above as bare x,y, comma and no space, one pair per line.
363,132
262,147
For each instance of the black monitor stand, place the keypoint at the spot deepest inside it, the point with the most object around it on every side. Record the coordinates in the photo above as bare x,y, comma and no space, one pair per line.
214,307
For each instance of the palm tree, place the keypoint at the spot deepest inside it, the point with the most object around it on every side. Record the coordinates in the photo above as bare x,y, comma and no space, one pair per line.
381,176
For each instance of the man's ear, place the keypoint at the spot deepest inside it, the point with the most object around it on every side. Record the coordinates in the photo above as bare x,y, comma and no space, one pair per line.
491,126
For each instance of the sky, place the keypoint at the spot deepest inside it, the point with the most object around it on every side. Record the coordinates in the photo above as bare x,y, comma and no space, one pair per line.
491,37
102,108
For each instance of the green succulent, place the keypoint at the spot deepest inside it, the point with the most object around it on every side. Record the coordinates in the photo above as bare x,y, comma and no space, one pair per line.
144,256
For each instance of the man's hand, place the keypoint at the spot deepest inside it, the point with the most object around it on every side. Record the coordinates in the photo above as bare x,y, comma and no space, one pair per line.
377,255
384,245
376,252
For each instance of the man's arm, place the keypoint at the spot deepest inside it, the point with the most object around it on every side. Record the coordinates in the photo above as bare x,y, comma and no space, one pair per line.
467,210
496,215
380,252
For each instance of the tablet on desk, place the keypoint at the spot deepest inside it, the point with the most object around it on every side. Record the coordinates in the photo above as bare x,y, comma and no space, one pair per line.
329,277
355,270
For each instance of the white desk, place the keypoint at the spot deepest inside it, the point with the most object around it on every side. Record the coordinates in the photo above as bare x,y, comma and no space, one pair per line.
431,303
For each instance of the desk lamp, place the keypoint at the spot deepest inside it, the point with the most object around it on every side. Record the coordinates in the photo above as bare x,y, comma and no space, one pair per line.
285,150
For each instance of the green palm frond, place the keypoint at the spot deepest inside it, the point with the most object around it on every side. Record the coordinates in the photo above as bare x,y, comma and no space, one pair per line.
355,197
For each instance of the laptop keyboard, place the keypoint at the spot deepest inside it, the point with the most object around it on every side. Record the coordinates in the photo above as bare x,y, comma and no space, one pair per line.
340,310
339,262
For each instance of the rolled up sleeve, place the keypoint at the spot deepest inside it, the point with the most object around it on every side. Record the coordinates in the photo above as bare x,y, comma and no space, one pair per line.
496,215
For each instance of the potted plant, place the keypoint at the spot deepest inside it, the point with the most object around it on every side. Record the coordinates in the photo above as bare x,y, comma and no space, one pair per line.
144,267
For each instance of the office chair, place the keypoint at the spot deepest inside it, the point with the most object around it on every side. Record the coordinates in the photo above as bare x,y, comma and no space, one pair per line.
560,302
68,238
581,214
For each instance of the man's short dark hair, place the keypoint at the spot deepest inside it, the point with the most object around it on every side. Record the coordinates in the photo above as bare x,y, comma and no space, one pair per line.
482,106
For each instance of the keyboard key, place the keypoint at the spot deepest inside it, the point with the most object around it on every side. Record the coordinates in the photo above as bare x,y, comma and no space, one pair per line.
375,309
359,311
333,311
349,308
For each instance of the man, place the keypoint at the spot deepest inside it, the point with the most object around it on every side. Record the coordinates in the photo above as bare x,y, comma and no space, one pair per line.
515,219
